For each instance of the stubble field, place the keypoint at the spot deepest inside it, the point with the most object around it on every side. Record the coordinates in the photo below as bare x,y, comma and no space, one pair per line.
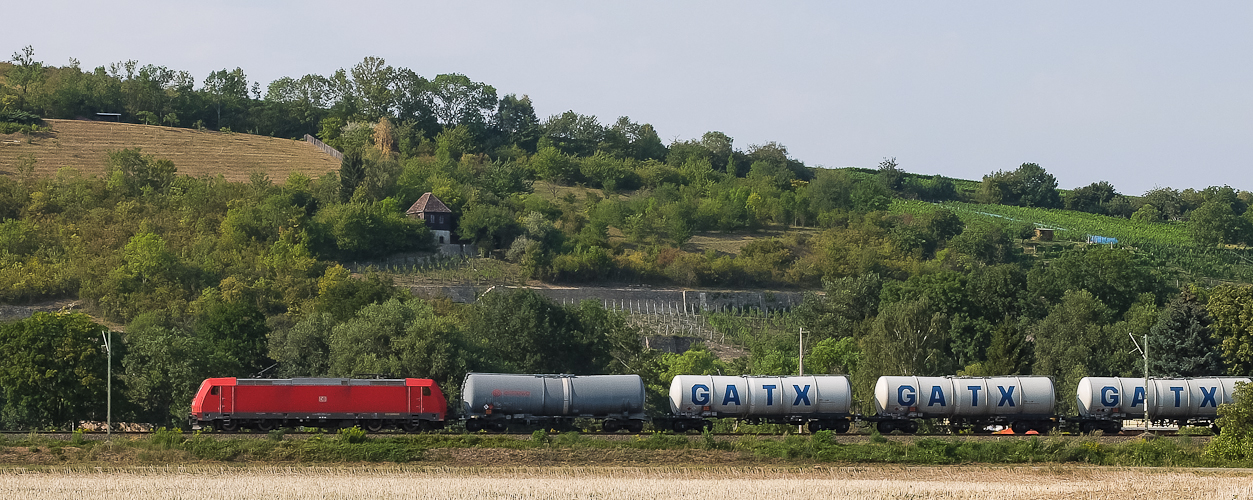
862,482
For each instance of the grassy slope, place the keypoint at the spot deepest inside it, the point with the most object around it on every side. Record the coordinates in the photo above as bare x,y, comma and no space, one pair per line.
83,145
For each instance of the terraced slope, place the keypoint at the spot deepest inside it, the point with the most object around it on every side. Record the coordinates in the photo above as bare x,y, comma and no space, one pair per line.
83,145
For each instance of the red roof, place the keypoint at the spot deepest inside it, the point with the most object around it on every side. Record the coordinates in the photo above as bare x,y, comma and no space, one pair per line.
428,203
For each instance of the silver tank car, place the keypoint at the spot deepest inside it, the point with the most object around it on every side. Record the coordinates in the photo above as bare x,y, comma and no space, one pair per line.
1024,403
824,402
492,400
1182,400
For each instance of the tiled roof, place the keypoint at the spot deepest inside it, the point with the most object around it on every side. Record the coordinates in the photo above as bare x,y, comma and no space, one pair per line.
428,203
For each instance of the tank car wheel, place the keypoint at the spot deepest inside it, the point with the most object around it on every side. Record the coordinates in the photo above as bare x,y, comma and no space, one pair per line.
910,427
500,427
635,426
611,426
1087,427
1020,426
474,425
842,426
680,426
885,427
1216,429
373,425
1112,428
227,426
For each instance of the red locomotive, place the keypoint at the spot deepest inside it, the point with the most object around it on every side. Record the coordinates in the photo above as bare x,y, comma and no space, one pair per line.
230,404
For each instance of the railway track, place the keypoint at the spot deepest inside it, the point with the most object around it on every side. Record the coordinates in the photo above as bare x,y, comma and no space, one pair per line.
11,435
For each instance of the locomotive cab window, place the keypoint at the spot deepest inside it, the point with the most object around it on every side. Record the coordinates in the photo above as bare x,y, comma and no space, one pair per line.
214,390
426,391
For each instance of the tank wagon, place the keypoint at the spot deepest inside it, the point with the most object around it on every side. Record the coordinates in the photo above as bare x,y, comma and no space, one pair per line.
492,400
822,402
1020,403
1105,402
230,404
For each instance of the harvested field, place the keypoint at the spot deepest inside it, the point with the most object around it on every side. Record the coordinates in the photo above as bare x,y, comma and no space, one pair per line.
1025,482
83,145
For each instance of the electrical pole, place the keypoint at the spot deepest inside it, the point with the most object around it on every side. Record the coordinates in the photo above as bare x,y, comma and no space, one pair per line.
108,349
1147,420
801,358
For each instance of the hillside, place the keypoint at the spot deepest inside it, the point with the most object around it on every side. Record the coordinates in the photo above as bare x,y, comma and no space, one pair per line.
83,145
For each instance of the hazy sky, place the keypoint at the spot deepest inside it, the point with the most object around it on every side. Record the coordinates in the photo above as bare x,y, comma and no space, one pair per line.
1136,93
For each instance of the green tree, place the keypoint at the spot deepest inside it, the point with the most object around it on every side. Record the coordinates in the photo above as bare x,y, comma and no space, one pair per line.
304,349
25,74
351,174
53,372
907,338
1071,343
1216,222
132,172
233,332
1235,442
1009,352
162,370
398,339
1182,342
1231,307
834,356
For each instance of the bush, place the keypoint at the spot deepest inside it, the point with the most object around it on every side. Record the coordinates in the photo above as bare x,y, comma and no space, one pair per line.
352,435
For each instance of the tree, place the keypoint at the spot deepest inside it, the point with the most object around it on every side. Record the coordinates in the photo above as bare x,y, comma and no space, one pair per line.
304,349
460,101
1070,343
1231,307
132,172
515,119
1183,343
908,338
398,339
53,372
25,74
162,372
1216,222
1116,276
1028,186
1009,352
227,89
489,226
1092,198
233,334
351,173
523,332
1235,442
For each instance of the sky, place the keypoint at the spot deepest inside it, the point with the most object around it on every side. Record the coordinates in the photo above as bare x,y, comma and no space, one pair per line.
1139,94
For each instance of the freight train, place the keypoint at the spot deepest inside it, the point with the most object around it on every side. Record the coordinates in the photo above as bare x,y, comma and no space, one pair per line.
497,402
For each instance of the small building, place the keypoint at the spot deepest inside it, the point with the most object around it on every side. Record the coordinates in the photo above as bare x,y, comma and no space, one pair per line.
437,216
1042,234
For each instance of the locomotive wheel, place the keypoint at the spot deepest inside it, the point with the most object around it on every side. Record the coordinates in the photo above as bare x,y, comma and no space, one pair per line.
411,427
885,427
228,426
611,426
842,426
266,425
373,425
910,427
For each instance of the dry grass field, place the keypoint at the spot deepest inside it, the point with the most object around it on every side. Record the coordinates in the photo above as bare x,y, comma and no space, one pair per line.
387,482
83,145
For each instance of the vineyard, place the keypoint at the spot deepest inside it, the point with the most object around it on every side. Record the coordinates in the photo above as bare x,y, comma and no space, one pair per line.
1068,225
